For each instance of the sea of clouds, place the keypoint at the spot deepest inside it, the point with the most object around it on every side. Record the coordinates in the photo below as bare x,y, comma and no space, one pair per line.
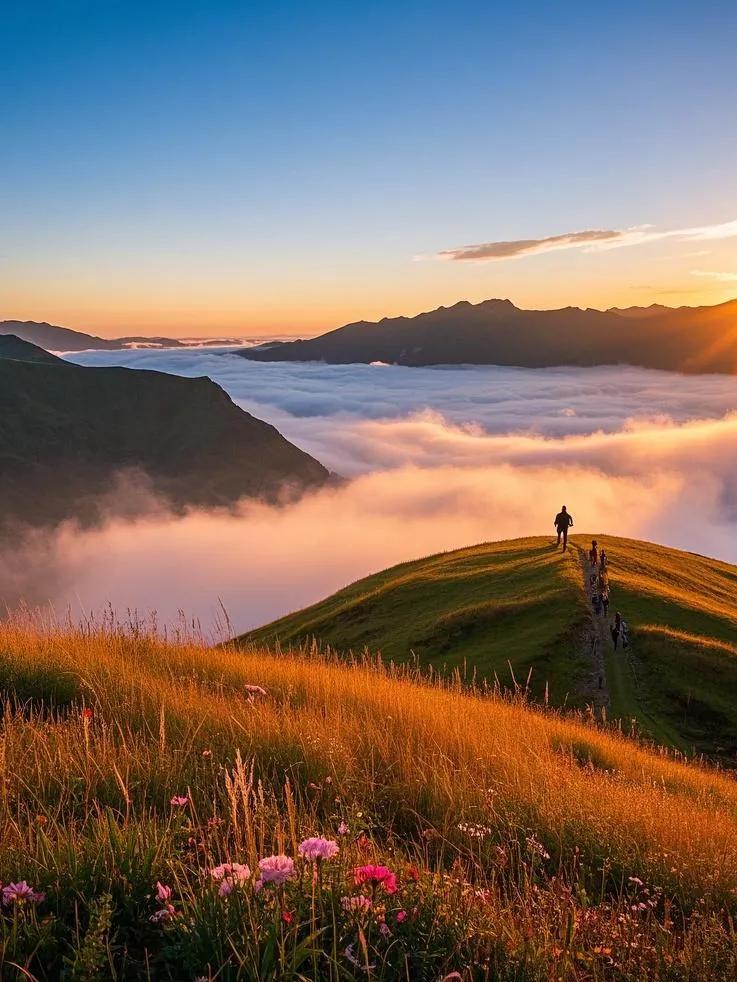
436,458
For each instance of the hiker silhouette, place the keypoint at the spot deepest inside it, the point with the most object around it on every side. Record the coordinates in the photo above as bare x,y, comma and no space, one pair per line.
563,522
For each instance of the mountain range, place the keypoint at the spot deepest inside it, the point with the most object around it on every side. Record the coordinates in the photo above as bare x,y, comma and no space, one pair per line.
496,332
67,432
55,338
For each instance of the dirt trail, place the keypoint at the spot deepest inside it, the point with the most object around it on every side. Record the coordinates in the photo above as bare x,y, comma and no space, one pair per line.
594,643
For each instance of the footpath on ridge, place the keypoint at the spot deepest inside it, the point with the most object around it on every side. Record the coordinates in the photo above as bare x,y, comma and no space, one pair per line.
595,643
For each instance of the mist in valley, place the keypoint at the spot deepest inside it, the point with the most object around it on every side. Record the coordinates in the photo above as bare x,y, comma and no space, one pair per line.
434,459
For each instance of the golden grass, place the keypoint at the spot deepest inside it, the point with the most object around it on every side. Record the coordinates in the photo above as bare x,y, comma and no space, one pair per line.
418,756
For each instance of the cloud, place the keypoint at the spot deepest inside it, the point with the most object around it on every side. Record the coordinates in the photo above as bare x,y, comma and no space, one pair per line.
589,240
715,275
440,458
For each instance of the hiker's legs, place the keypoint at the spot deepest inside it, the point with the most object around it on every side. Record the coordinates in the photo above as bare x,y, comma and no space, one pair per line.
559,535
565,539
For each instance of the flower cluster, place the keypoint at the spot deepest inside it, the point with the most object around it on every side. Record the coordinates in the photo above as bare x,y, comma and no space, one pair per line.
317,848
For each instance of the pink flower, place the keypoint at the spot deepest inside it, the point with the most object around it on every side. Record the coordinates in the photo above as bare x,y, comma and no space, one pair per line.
179,800
318,848
376,876
401,916
163,893
277,869
343,829
20,893
229,875
236,871
165,914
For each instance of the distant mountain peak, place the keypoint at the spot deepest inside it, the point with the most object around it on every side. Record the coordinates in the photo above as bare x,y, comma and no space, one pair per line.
497,332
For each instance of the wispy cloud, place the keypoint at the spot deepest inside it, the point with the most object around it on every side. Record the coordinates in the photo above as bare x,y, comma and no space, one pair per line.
712,274
588,240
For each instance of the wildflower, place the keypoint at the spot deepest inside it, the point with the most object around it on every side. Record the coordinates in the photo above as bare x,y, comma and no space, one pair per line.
317,848
179,800
412,874
359,904
376,876
235,871
277,869
207,753
343,829
287,917
230,875
20,893
401,916
87,714
384,930
636,880
164,914
41,820
163,893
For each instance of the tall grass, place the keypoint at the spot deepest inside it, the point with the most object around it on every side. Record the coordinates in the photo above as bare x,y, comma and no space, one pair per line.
528,845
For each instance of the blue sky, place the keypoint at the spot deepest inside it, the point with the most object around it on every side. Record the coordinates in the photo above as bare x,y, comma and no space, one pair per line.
228,166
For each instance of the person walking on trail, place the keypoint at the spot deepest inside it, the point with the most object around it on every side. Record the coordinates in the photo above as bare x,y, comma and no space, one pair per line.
594,553
563,522
619,630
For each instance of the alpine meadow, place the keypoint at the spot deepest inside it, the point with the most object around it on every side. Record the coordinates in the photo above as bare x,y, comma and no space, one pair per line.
368,492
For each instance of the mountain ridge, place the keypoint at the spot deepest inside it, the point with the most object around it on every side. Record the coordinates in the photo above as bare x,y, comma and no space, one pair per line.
496,332
516,609
73,429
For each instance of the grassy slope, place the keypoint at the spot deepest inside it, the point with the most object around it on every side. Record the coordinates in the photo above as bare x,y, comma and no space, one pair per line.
522,602
85,811
73,428
682,674
515,603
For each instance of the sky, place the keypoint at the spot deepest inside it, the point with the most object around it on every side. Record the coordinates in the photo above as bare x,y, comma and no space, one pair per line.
199,168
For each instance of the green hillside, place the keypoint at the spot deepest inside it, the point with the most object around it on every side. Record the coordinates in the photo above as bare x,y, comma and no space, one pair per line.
520,606
67,432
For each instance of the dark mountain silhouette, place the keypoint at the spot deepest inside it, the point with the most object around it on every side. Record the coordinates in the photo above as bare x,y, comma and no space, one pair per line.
16,349
495,332
64,339
68,433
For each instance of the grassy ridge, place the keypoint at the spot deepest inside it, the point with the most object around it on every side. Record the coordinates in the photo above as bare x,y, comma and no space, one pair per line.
514,832
516,603
522,603
682,672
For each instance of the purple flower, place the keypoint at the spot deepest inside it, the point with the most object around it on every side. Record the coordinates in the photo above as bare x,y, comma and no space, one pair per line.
318,848
277,870
179,800
20,893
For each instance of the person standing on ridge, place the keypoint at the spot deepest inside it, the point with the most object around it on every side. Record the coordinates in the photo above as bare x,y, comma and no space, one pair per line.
563,522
